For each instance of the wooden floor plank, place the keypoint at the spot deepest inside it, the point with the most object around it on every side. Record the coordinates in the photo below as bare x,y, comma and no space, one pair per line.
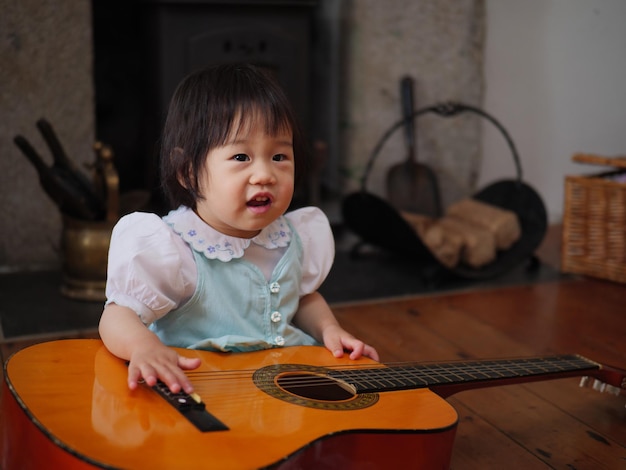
603,412
566,316
553,435
480,445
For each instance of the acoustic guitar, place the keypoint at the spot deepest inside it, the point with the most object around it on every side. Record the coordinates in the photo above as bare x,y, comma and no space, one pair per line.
66,405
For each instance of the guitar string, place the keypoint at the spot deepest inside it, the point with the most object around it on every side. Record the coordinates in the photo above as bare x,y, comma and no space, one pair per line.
422,368
234,393
444,374
497,370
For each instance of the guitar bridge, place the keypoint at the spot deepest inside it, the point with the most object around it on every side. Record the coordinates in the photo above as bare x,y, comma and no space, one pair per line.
191,407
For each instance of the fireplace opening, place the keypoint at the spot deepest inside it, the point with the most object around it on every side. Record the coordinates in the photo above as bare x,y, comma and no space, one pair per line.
143,48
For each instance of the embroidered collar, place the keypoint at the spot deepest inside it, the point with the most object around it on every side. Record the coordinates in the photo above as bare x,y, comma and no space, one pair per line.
215,245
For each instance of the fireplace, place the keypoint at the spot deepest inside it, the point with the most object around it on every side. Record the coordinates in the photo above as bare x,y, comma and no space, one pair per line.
143,48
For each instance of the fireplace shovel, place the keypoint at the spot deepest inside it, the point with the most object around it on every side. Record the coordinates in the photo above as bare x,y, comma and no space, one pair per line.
412,186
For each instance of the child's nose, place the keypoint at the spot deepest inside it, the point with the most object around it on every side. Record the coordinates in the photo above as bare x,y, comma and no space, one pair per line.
262,174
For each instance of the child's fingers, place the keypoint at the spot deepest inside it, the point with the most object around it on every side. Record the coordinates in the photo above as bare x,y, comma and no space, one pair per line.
356,347
370,352
359,348
333,344
134,375
173,377
137,374
188,363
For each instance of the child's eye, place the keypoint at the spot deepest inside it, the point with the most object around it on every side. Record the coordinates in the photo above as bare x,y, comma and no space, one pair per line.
241,157
279,157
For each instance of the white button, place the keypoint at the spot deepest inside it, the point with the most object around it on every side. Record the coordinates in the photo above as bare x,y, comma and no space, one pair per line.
276,317
279,340
274,287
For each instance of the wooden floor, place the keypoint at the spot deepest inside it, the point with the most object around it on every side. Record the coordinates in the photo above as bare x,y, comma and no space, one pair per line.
552,424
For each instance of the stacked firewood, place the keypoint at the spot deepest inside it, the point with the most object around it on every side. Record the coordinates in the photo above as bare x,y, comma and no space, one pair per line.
471,232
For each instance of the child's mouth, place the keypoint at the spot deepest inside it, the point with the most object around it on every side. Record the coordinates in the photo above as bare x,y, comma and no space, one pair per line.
259,202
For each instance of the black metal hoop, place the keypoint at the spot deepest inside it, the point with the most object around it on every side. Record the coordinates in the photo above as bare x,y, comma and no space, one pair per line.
446,109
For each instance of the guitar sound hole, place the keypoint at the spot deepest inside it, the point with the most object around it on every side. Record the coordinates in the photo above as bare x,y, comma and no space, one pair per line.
314,387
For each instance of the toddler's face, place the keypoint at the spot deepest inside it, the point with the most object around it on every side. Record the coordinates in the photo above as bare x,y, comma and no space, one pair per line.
248,183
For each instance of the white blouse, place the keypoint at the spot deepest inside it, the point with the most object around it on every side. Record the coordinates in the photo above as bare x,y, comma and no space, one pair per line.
151,268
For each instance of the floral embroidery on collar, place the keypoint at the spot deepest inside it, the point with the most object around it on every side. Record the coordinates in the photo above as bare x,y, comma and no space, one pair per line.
215,245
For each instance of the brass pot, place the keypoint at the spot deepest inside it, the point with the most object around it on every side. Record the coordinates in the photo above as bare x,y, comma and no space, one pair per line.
85,244
85,247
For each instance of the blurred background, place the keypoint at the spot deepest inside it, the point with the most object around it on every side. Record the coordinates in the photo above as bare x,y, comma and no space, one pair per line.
550,71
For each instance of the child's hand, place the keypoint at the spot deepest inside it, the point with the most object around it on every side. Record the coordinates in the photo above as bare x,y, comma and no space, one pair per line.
158,362
337,340
127,337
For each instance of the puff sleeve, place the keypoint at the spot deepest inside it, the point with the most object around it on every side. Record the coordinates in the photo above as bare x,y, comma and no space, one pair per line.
318,246
150,269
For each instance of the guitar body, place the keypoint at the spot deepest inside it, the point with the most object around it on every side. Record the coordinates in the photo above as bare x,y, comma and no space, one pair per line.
66,405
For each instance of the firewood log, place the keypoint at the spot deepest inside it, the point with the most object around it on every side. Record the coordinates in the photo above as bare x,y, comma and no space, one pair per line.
502,223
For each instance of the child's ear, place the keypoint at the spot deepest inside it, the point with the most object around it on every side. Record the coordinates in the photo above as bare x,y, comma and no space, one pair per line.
183,174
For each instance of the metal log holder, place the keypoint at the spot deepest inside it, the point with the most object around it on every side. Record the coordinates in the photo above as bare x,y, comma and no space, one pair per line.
378,223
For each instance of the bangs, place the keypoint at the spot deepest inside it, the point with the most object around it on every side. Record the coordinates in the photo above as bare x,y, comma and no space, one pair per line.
248,115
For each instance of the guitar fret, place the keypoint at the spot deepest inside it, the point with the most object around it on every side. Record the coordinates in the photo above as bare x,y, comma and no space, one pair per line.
424,375
378,379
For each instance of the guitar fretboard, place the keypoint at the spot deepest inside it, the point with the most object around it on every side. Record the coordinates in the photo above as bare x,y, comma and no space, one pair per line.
407,377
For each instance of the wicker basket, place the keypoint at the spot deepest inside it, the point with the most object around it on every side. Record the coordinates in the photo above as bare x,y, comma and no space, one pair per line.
594,221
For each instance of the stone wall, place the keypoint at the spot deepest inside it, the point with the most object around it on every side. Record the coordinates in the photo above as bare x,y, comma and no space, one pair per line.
45,71
440,44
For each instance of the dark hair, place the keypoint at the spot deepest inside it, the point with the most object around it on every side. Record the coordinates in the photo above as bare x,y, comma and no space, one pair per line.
203,110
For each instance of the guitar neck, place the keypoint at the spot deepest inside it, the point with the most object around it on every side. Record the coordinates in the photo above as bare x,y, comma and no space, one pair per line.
448,378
